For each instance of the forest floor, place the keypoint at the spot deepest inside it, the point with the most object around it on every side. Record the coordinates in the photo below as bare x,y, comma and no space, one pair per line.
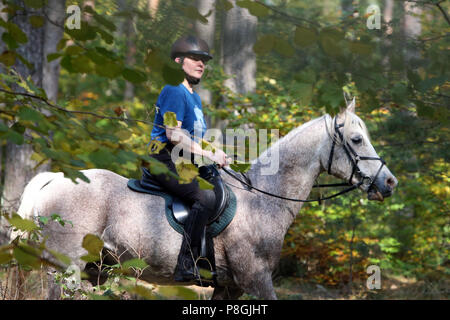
392,288
287,288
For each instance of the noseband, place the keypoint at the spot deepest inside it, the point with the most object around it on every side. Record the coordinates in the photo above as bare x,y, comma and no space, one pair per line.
349,151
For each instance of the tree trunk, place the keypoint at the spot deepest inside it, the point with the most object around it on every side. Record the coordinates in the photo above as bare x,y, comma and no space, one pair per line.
153,7
239,59
206,32
55,11
412,30
126,31
388,15
19,168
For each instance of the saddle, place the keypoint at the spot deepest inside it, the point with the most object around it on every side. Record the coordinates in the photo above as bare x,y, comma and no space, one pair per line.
177,211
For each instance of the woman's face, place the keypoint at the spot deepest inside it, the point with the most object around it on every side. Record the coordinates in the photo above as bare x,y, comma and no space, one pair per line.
193,65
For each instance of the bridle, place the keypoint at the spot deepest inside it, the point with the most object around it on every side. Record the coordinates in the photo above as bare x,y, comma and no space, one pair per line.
349,151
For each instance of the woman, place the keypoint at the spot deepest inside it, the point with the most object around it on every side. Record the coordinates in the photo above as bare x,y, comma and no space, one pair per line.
192,54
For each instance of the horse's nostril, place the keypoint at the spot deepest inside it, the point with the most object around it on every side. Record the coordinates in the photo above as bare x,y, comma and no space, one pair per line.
390,182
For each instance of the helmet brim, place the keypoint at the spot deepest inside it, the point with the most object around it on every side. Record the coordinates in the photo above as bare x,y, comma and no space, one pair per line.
203,54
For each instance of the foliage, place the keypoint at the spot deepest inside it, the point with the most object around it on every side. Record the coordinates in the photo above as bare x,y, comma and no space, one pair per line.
307,54
28,251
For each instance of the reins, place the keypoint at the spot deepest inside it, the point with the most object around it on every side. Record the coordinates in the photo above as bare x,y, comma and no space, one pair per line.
250,187
365,179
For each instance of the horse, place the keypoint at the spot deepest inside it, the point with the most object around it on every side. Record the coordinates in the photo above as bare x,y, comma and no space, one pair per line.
247,252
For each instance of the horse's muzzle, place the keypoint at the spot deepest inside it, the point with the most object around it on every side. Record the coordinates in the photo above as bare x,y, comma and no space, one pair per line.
382,188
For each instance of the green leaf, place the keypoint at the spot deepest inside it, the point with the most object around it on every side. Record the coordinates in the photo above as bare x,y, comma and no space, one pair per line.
123,134
157,167
255,8
36,21
73,50
304,37
264,44
142,291
192,13
90,257
26,113
135,263
13,136
305,92
35,4
155,60
178,292
3,127
223,5
284,48
133,75
53,56
8,58
93,244
240,167
205,274
108,68
61,257
186,171
170,119
102,157
203,184
22,224
9,40
85,33
155,146
171,75
109,39
27,256
16,33
43,220
329,39
66,63
5,257
105,22
82,64
361,48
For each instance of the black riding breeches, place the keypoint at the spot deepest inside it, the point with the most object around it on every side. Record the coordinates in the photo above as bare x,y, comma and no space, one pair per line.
188,192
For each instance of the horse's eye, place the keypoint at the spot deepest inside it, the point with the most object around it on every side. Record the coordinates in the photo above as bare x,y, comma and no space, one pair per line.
356,140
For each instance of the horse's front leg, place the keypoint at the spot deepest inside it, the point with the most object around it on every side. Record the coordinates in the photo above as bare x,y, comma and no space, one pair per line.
256,281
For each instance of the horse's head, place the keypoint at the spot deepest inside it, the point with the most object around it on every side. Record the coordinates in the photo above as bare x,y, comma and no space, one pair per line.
353,158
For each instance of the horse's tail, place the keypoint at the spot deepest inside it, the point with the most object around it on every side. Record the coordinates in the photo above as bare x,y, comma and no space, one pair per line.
31,193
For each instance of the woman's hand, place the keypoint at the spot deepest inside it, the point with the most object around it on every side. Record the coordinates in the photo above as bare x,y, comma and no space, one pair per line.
219,157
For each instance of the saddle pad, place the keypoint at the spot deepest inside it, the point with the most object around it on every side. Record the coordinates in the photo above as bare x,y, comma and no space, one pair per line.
213,229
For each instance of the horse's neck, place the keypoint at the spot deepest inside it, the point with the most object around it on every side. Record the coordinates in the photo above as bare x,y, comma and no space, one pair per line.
299,166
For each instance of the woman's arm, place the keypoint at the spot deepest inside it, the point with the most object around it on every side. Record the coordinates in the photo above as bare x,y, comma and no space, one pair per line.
177,136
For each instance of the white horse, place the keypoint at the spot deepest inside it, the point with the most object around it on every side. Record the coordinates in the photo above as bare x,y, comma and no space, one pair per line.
133,224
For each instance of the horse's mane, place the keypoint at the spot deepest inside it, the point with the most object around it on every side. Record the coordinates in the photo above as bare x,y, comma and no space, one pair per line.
351,122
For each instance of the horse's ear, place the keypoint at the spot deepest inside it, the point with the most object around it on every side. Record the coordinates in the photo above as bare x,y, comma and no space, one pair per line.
351,106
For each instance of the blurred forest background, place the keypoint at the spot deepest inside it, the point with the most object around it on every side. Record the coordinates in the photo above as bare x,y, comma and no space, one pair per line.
70,100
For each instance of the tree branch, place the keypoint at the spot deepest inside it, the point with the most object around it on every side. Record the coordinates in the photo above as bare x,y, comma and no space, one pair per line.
443,11
72,111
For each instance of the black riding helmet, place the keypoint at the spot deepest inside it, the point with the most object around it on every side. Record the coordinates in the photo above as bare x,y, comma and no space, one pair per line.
190,45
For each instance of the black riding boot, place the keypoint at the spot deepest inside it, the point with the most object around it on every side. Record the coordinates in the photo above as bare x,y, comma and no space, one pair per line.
186,269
